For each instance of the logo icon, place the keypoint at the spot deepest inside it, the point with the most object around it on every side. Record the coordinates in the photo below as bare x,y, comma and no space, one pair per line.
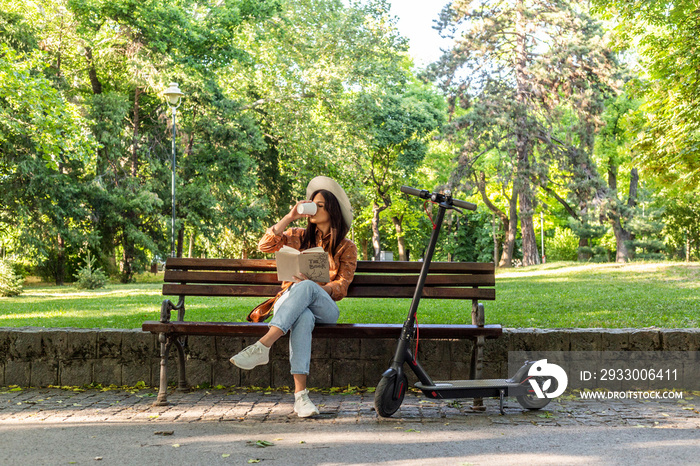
543,372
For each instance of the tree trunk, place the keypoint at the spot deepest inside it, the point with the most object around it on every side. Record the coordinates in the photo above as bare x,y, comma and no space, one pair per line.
135,139
127,270
448,234
399,238
522,142
634,183
496,245
180,241
622,238
622,235
527,228
60,260
92,72
191,246
507,256
582,255
511,221
376,238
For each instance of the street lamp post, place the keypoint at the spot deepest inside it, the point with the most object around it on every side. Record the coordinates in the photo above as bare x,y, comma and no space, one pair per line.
174,96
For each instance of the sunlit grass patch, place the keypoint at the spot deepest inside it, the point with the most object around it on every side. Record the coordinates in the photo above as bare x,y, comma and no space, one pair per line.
555,295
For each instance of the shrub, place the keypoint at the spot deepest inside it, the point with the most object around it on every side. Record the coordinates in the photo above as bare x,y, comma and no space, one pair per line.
10,281
90,277
563,247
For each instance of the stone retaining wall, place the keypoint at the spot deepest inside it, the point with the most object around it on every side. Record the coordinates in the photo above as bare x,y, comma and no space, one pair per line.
40,357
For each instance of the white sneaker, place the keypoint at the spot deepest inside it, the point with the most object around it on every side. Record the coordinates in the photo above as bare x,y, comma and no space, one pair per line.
255,355
303,405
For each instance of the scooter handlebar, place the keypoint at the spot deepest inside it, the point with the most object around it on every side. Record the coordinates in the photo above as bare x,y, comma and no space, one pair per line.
464,204
423,194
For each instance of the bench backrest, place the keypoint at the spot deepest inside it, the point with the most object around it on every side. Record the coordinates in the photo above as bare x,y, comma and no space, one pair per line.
373,279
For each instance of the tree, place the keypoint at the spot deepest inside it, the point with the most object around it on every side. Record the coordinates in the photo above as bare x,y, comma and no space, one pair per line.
396,128
681,225
512,66
301,84
43,150
119,76
613,152
664,37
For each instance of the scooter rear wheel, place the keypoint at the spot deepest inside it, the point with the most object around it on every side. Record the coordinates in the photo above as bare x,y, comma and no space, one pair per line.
532,402
384,401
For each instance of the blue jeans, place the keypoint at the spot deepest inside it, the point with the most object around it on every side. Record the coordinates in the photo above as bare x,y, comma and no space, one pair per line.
306,304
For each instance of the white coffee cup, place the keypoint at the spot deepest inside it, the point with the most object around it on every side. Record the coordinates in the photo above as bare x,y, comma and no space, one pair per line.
307,208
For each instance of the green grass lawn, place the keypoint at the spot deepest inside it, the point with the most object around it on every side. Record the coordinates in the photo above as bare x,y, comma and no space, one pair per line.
661,294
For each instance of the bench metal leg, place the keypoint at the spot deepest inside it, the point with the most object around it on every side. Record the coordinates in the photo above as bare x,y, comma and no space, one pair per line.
477,364
162,399
166,343
182,382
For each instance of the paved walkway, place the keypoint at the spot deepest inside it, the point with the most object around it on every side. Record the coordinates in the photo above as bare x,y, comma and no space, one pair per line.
63,426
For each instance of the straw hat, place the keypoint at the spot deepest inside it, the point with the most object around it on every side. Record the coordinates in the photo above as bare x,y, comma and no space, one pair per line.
329,184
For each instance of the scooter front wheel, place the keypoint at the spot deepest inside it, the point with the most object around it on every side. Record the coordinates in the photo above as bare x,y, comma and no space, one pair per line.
384,401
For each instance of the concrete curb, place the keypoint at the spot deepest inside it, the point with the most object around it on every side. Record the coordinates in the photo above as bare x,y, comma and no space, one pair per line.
39,357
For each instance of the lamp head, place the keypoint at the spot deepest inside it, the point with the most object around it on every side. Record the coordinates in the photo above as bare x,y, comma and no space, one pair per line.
173,95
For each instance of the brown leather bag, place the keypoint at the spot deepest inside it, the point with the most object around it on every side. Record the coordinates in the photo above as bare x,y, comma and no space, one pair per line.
262,311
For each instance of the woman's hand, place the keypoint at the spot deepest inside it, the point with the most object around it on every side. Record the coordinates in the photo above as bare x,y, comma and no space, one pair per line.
301,277
293,215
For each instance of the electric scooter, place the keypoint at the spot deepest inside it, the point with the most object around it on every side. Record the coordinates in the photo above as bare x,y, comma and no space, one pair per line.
391,389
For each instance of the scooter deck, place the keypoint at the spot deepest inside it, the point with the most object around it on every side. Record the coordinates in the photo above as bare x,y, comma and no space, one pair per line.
485,388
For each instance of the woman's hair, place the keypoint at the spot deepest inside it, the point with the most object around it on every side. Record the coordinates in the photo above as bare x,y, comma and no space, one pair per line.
338,227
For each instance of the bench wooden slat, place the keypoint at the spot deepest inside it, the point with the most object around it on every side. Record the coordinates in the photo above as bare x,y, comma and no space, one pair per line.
240,329
428,292
357,291
268,265
220,290
178,276
185,263
435,267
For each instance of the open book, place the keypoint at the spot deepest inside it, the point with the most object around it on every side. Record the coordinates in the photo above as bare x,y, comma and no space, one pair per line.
311,262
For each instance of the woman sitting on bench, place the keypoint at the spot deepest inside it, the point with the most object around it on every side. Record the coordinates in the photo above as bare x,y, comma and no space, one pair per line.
306,302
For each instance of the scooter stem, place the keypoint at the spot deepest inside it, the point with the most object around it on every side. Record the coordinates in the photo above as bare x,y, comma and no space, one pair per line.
418,293
403,353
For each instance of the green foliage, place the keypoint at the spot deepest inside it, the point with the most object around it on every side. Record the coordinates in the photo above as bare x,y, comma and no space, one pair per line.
467,238
90,277
681,226
663,36
194,34
16,32
279,91
523,112
589,232
43,149
10,281
647,226
35,117
563,246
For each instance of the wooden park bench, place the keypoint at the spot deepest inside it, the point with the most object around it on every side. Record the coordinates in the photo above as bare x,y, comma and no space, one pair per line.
258,277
